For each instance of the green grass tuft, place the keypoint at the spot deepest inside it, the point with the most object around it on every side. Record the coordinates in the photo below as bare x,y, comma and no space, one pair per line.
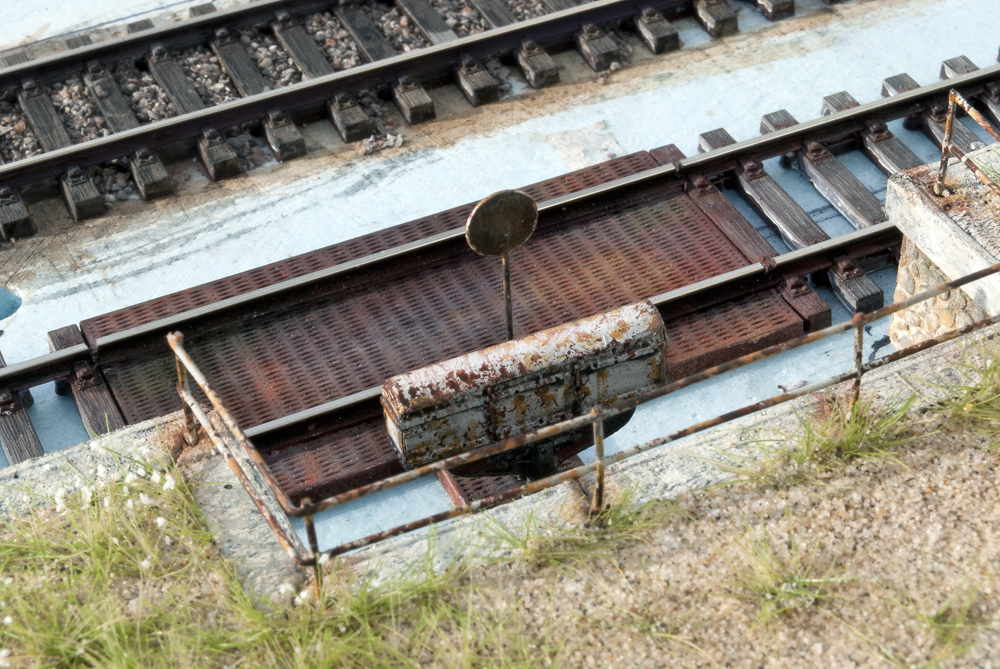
551,545
781,576
127,575
825,441
974,400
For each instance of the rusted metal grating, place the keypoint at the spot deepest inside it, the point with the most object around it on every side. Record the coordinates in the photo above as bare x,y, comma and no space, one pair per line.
261,277
345,456
465,490
351,334
348,335
728,331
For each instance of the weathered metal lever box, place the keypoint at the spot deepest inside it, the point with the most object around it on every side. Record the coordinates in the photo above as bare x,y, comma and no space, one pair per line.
514,387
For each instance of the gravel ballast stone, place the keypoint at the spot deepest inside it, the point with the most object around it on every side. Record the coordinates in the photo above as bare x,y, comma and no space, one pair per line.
17,139
338,45
210,81
460,16
149,102
527,9
77,111
274,63
396,27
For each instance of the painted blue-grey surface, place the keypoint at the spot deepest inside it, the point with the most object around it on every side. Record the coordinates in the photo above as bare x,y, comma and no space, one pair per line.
756,382
729,84
408,502
56,419
10,302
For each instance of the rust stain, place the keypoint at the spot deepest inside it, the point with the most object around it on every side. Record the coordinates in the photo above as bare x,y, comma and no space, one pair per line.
445,408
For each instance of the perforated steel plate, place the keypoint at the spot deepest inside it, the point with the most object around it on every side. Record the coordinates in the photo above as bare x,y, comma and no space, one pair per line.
465,490
359,247
350,334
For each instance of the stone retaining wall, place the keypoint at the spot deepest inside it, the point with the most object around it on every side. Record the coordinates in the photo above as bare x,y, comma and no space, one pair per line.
932,317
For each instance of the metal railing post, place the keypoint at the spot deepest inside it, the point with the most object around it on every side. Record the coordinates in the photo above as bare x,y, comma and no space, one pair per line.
190,426
597,502
313,547
859,363
949,127
948,148
596,417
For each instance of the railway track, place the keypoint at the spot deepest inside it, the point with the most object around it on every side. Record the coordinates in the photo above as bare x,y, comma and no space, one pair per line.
298,349
160,92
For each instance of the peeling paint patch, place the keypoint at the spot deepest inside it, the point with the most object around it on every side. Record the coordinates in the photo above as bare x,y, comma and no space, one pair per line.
585,146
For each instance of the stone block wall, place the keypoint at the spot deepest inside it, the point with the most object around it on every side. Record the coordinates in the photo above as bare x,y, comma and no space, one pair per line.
931,317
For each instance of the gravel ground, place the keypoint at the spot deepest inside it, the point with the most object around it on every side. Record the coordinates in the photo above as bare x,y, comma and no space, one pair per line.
148,101
252,151
906,540
77,111
396,27
460,17
620,38
340,48
500,72
277,68
527,9
115,182
378,110
212,83
17,140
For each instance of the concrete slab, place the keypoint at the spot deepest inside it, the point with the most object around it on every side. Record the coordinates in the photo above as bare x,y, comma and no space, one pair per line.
45,25
960,233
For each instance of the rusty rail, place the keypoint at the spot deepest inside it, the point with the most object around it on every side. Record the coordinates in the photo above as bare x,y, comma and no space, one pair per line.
596,418
949,148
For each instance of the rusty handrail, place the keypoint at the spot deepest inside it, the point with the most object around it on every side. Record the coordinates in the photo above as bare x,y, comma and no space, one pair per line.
949,148
596,418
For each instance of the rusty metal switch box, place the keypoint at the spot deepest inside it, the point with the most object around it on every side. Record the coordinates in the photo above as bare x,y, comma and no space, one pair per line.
511,388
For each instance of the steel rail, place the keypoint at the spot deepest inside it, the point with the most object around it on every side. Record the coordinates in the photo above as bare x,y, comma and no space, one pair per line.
307,509
598,466
275,290
721,283
29,373
188,32
611,410
175,34
313,93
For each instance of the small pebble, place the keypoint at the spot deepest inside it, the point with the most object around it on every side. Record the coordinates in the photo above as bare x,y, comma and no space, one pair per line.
460,17
210,81
337,44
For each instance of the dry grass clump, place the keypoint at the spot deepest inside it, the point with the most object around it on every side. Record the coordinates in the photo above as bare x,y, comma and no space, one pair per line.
973,400
825,440
782,576
126,575
953,625
563,546
860,538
